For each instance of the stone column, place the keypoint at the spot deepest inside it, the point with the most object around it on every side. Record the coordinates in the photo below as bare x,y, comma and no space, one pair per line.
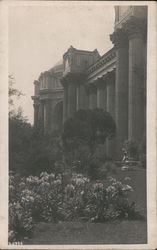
86,98
81,97
65,103
111,94
120,40
41,116
110,84
136,80
102,103
92,96
71,98
36,114
101,94
47,116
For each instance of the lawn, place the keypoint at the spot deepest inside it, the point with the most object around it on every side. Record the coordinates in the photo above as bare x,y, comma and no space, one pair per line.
117,232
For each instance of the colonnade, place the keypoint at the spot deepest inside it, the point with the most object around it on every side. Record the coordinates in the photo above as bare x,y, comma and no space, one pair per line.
43,115
121,92
130,83
100,93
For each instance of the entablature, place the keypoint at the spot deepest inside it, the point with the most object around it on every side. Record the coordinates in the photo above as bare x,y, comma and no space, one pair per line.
104,65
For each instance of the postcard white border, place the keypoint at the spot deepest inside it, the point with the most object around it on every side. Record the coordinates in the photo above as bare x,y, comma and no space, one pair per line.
151,124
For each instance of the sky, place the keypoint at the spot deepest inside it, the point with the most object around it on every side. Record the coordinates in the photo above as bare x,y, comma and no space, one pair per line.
40,35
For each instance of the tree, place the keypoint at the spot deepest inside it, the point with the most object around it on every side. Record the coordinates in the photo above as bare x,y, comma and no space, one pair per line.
14,94
20,135
30,152
87,127
43,153
90,126
20,131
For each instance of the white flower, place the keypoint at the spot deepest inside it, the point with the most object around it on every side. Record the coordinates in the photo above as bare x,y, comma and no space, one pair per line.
57,182
79,182
51,176
127,188
45,184
69,187
110,189
127,178
43,174
111,179
59,177
22,185
98,186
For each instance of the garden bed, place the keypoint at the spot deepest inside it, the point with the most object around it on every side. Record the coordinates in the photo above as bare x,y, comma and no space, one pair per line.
117,232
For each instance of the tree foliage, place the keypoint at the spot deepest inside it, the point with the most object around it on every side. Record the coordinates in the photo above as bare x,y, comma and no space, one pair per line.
30,152
89,127
13,94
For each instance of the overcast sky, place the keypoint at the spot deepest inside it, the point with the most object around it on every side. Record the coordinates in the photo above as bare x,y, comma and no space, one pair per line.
39,36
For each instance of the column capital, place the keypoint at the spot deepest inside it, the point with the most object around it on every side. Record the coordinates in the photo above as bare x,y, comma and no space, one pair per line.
36,82
36,100
135,27
119,38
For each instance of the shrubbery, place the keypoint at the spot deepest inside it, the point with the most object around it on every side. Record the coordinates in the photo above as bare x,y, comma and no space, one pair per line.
136,150
47,198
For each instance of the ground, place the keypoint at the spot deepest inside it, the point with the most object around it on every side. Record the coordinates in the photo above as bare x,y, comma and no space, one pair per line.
118,232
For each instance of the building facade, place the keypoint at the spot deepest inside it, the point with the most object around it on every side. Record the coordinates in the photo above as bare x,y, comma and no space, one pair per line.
115,82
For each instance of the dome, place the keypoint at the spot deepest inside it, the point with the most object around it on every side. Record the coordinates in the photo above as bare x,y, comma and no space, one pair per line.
58,67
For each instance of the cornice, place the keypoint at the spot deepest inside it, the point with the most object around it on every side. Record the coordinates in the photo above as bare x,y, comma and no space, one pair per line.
107,57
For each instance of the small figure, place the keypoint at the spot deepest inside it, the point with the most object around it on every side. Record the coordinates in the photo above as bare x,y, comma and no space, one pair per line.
125,156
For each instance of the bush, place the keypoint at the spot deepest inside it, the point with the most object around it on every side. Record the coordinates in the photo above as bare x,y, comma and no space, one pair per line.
131,147
49,198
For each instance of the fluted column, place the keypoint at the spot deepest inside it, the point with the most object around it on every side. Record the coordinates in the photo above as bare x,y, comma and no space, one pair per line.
92,96
74,93
47,116
111,109
41,116
111,94
136,80
71,109
101,94
65,103
121,89
81,97
36,114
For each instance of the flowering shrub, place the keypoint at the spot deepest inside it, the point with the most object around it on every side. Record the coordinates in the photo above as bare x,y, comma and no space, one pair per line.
45,198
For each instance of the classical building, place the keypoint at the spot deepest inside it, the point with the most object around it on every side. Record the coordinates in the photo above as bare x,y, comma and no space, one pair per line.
115,82
48,100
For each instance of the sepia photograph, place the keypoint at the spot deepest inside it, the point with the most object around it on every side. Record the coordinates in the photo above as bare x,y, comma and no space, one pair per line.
77,124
